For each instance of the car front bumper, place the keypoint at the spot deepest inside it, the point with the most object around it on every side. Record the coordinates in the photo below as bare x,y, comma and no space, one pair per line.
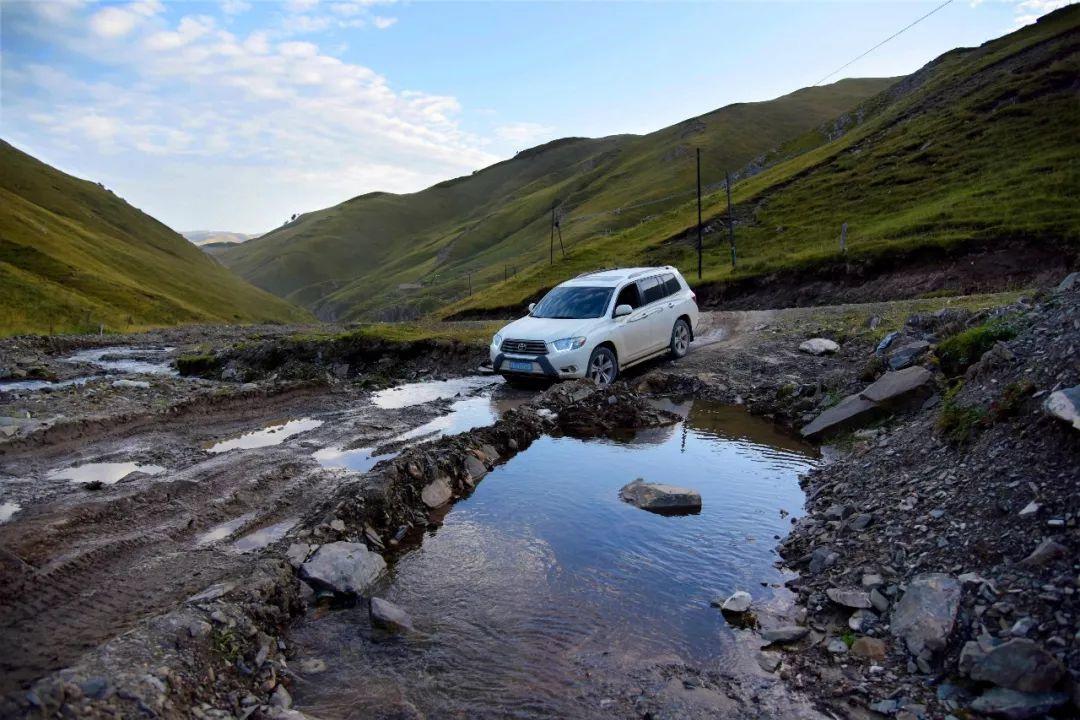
554,365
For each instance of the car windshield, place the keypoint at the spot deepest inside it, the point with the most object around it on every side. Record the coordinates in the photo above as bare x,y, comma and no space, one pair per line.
573,303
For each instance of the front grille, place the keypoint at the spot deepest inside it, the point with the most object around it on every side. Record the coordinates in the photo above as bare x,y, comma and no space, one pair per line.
526,347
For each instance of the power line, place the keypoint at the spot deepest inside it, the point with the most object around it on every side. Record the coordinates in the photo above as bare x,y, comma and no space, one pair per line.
895,34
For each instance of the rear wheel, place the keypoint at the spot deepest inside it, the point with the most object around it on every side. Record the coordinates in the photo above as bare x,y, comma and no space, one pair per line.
680,339
603,367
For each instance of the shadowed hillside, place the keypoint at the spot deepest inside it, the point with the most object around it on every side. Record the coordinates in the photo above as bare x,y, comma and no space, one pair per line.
74,256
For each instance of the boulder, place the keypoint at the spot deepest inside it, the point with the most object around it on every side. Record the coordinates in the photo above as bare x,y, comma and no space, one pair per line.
1046,552
474,469
855,599
388,616
851,412
1065,405
784,634
822,558
1013,705
343,567
739,602
660,498
1019,664
925,615
437,493
903,387
907,355
819,346
885,343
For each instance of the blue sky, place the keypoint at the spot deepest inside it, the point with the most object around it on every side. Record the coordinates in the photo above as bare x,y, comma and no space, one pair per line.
233,115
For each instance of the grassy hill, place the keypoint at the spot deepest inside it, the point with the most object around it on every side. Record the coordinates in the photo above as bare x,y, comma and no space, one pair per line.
74,256
979,149
398,256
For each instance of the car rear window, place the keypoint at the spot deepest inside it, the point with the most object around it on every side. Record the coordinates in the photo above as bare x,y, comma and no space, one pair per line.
671,284
651,289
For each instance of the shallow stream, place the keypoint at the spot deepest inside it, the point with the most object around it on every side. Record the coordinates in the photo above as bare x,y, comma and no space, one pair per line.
543,569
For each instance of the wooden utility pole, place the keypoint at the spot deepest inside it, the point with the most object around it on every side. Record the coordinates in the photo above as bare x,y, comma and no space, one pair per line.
730,217
551,245
699,213
468,274
843,238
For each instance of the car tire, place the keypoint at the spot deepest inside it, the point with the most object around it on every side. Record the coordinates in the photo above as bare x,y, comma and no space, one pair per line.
603,366
680,339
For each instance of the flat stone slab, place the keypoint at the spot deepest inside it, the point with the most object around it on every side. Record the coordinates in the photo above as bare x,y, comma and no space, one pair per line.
900,386
437,493
925,616
343,567
851,412
389,616
1019,664
1065,405
785,634
850,597
907,355
819,346
660,498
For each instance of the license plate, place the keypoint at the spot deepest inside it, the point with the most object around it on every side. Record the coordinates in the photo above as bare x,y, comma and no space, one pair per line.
519,366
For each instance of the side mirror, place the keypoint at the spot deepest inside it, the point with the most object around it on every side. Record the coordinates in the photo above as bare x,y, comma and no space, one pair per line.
623,310
531,306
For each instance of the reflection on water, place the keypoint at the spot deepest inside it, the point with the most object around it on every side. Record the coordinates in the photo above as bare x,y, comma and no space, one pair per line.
264,536
464,415
224,530
126,360
106,473
544,563
422,392
271,435
32,385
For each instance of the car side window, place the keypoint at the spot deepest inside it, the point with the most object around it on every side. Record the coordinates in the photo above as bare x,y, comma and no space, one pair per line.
672,285
629,296
652,289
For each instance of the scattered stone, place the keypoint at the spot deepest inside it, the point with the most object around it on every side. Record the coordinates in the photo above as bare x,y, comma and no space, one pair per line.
908,355
856,599
819,346
281,698
885,343
851,412
739,602
869,648
860,521
199,629
1030,509
343,567
437,493
657,497
338,525
1047,552
879,601
1005,703
389,616
860,620
769,661
784,634
312,666
297,553
821,559
1065,405
925,616
836,646
474,469
131,384
1019,664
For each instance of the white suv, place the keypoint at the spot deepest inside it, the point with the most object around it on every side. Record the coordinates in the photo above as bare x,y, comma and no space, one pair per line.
599,324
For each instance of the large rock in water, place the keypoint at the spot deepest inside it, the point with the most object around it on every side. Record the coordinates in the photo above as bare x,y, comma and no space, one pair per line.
436,493
819,346
851,412
1019,664
1065,405
925,616
389,616
661,498
912,384
343,567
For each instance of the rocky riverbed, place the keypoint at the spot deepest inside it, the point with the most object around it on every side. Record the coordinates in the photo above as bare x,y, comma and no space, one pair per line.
936,561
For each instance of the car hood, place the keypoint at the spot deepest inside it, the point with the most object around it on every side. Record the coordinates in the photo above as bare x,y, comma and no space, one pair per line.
549,329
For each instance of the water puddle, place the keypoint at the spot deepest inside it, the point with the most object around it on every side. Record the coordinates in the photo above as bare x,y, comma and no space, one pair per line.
8,510
472,412
423,392
274,434
543,566
126,360
264,536
106,473
38,385
224,530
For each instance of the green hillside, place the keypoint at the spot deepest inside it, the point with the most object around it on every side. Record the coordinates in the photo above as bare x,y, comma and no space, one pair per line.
397,256
981,148
74,256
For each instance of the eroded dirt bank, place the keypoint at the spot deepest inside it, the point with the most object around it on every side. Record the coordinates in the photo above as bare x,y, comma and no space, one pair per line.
173,594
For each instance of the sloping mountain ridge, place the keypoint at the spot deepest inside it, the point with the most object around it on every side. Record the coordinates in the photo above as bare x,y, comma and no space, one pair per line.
393,256
977,152
74,257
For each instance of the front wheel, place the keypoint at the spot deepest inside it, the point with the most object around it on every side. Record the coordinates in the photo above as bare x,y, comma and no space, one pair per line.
603,368
680,339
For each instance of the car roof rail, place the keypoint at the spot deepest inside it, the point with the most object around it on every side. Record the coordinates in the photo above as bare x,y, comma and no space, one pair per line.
639,273
595,272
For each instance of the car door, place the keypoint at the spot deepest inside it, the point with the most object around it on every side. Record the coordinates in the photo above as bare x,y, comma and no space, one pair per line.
632,331
659,316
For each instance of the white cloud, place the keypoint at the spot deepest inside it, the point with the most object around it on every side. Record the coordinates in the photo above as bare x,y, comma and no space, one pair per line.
113,22
235,7
382,22
190,29
524,133
1028,11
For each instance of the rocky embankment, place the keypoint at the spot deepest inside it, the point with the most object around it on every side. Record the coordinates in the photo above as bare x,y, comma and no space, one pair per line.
938,561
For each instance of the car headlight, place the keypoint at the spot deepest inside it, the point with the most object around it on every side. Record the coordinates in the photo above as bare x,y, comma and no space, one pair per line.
497,340
568,344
